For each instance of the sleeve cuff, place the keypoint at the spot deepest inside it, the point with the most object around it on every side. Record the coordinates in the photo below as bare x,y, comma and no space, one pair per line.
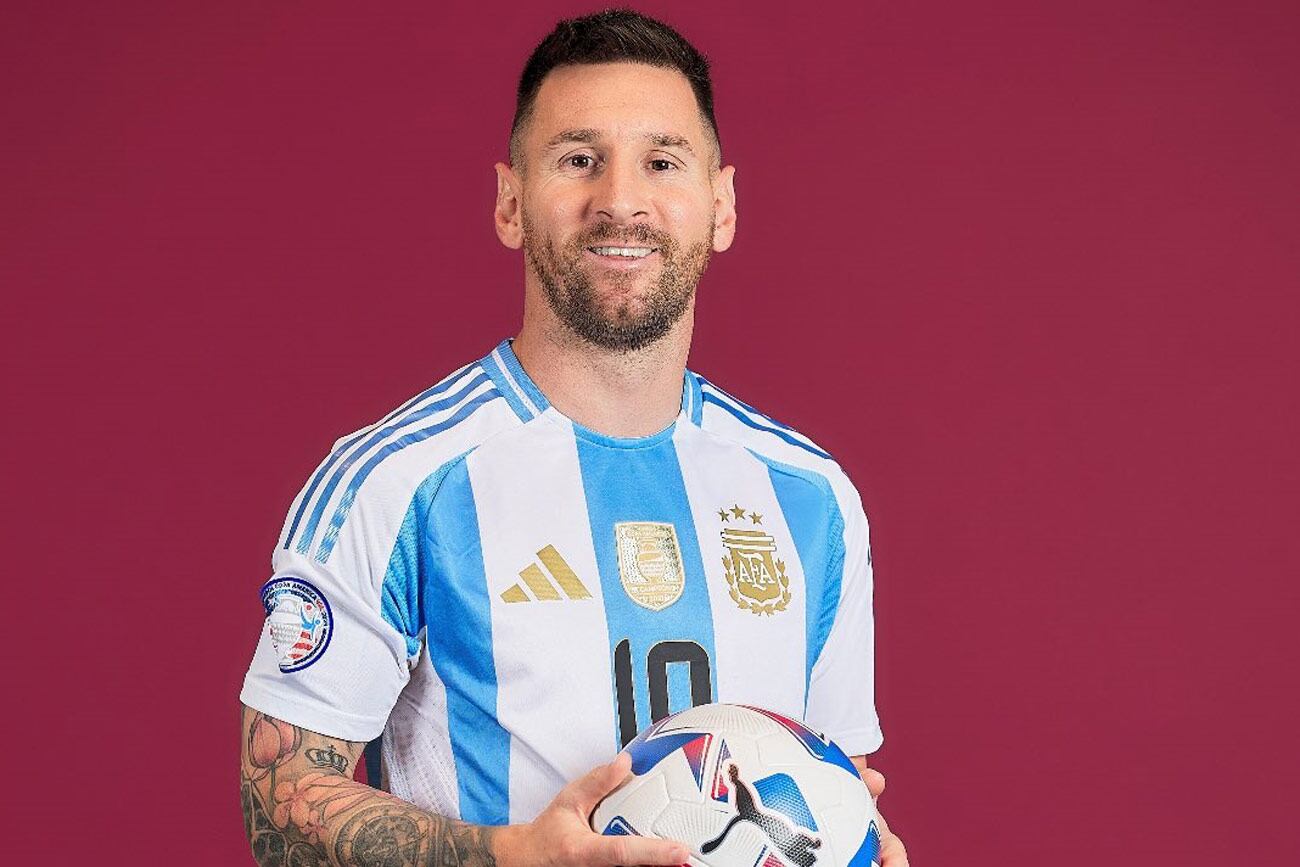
329,722
860,741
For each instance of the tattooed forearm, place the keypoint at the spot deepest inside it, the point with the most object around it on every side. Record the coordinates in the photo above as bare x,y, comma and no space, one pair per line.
301,808
269,742
391,833
268,843
327,758
384,833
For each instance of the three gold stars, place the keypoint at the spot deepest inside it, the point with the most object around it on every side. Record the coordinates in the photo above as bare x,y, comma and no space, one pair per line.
738,513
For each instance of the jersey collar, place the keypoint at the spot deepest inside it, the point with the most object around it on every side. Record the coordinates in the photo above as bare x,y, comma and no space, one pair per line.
528,402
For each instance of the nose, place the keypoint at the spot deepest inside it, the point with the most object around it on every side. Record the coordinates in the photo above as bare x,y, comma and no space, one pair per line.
621,193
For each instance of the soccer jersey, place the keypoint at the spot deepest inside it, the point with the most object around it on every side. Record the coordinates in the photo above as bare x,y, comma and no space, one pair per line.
509,597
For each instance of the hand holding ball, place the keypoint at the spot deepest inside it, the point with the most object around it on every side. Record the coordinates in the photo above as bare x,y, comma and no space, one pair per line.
744,787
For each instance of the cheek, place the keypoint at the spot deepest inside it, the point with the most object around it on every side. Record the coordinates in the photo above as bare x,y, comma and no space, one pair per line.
559,206
551,214
562,220
688,216
564,212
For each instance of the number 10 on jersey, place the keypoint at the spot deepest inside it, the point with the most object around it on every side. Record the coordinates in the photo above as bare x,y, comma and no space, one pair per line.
659,657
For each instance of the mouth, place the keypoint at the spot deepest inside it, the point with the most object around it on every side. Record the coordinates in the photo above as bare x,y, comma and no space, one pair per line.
623,252
622,257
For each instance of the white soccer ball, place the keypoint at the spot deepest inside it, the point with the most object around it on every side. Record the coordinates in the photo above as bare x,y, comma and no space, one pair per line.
744,787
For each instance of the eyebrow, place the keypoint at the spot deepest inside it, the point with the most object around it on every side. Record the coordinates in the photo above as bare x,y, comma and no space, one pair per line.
587,135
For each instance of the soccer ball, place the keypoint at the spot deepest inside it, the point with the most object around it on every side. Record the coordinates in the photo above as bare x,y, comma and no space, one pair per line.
744,787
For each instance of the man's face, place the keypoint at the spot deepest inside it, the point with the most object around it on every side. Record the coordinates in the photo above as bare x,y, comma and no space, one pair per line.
619,206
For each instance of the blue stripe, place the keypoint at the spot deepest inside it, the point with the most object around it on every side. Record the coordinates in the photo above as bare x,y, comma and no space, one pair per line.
644,483
868,854
696,394
709,398
309,532
403,589
525,381
350,494
812,513
432,391
458,611
507,390
731,397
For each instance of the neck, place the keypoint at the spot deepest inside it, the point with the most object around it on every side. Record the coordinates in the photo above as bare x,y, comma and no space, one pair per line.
621,394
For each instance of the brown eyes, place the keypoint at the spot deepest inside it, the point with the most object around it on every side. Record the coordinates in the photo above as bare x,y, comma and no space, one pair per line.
584,161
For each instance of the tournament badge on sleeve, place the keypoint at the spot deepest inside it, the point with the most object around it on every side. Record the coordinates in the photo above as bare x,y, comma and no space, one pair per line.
299,621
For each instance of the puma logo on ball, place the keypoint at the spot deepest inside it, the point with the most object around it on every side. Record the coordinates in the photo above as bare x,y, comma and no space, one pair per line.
795,844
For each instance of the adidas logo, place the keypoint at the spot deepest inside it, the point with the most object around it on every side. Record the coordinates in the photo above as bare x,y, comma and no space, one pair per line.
542,588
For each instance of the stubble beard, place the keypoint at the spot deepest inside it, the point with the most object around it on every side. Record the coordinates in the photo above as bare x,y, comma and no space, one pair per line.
634,323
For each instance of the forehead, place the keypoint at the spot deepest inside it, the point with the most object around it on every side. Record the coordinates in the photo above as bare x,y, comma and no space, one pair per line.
616,99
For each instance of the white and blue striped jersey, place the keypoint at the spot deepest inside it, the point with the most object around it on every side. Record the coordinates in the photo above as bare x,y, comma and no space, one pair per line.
508,597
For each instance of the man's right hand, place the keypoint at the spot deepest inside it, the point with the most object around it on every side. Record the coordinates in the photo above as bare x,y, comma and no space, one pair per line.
561,835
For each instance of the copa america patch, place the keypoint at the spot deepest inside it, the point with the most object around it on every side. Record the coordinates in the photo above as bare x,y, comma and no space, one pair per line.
299,621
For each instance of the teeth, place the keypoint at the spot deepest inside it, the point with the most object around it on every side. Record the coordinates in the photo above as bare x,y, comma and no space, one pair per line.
632,252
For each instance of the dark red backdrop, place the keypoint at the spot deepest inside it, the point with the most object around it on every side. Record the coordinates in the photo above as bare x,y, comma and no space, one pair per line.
1028,269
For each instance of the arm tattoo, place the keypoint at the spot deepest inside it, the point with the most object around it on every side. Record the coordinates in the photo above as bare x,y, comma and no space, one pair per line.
269,744
467,845
328,759
380,835
267,841
394,834
301,809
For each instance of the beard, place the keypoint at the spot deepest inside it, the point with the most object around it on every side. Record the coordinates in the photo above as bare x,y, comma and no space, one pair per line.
631,323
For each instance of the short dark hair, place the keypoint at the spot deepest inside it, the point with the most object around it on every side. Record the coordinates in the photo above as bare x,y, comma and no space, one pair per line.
613,36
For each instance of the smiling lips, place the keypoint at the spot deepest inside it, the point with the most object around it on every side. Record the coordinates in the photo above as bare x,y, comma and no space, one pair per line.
623,252
623,258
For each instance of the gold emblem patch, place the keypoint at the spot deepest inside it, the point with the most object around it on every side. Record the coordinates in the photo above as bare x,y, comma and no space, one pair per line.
756,577
649,563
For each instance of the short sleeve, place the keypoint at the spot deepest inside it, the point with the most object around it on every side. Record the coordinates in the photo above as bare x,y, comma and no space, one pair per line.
841,689
334,652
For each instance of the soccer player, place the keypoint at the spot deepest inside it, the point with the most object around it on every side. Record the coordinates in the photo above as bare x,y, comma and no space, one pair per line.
512,573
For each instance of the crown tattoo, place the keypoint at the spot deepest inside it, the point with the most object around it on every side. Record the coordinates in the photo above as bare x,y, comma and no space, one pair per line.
327,758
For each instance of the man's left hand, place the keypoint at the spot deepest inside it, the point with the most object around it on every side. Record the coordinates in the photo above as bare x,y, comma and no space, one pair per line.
892,851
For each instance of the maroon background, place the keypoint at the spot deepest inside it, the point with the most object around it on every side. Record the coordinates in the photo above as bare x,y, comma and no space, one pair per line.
1028,269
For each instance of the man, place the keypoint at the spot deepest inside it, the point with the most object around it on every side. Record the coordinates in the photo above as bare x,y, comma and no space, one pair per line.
518,569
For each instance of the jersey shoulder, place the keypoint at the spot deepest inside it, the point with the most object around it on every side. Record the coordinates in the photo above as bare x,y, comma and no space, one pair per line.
787,452
383,464
724,415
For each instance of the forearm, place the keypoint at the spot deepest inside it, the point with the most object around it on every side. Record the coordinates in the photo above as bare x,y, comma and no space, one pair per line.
301,806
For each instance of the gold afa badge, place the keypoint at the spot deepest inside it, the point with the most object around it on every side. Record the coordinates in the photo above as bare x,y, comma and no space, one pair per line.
756,577
649,563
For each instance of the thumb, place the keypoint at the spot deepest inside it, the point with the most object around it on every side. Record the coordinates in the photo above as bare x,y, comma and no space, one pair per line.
584,793
875,781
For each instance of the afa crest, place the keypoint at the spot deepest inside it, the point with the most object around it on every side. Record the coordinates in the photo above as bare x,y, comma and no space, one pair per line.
756,576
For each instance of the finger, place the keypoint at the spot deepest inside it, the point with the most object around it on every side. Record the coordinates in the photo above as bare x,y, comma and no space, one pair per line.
892,851
639,850
875,781
586,792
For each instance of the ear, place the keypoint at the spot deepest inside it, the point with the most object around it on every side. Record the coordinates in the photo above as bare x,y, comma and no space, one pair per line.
724,209
508,214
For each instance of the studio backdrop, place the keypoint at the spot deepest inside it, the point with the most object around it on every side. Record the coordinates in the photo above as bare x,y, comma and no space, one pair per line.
1028,270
